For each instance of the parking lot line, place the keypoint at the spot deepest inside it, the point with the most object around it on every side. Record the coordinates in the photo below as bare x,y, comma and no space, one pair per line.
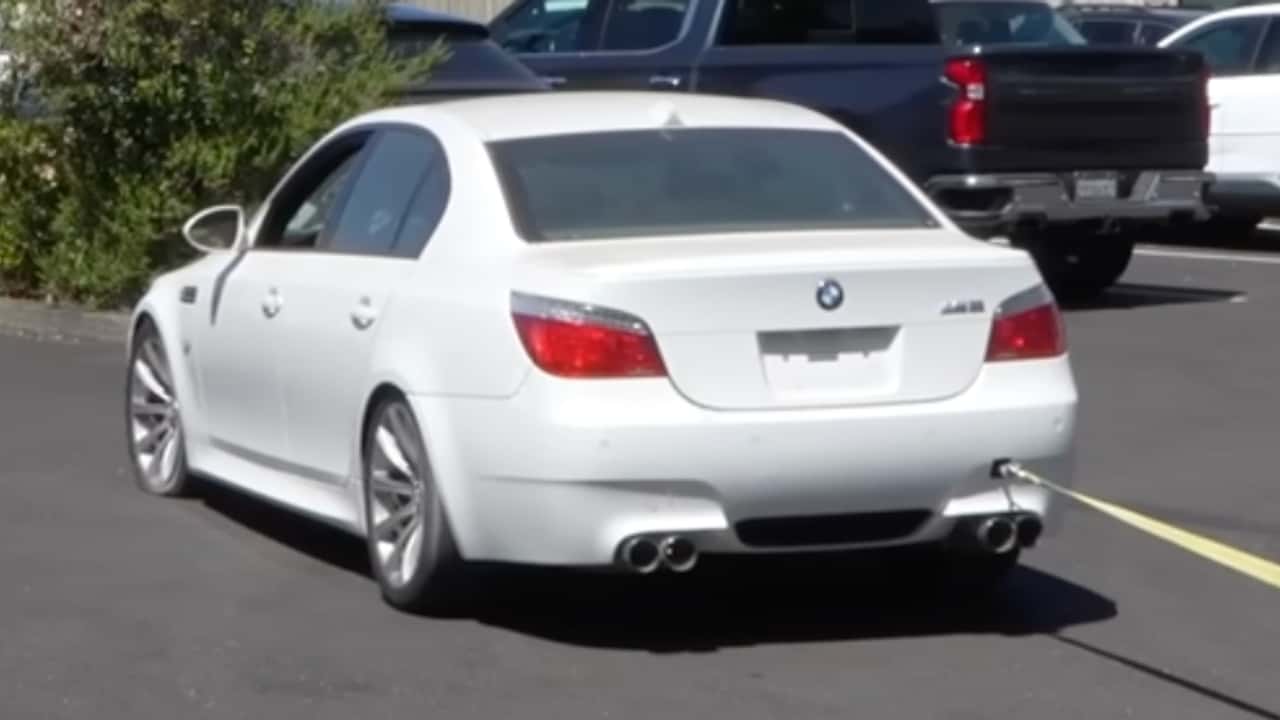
1252,258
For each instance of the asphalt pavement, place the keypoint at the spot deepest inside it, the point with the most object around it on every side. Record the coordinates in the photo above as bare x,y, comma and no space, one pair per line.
117,605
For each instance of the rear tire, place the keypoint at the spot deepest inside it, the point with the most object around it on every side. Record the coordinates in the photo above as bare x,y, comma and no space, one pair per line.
411,547
1078,265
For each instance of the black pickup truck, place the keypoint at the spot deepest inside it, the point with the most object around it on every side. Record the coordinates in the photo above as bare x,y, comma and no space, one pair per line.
998,108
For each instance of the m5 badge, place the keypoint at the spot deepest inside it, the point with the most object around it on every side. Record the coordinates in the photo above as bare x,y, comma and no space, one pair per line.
964,307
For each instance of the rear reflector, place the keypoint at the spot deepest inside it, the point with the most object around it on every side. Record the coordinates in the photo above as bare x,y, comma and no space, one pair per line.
575,340
1027,326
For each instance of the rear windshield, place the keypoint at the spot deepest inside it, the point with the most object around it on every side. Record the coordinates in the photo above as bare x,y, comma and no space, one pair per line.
692,181
1005,23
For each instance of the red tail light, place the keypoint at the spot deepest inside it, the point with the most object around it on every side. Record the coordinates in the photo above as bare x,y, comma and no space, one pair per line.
1027,326
573,340
968,119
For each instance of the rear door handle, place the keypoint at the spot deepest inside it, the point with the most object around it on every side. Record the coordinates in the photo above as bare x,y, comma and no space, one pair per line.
363,316
272,303
669,82
553,80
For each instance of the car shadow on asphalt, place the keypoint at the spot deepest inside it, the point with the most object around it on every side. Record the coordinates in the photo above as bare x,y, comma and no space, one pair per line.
725,602
761,602
308,537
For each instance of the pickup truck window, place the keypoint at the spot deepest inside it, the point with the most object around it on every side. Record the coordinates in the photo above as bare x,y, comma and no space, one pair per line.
1228,46
643,24
1109,32
981,22
1152,33
545,26
824,22
686,181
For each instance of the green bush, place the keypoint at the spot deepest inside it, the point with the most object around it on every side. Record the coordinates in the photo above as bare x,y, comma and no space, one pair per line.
155,108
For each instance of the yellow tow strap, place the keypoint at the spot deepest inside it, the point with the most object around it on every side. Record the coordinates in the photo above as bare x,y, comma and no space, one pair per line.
1225,555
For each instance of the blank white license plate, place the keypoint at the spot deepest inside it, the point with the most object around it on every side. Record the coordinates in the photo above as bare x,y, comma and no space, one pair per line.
1096,189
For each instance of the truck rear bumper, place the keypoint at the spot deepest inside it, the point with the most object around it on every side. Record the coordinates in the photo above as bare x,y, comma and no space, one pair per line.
1246,193
991,204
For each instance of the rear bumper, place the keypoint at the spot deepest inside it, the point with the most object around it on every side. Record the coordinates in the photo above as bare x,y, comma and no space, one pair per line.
993,203
564,472
1245,193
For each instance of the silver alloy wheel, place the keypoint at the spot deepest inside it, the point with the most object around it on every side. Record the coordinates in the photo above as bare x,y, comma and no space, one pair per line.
397,507
155,425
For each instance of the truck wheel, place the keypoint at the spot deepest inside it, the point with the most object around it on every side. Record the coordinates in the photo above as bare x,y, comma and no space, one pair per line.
1078,266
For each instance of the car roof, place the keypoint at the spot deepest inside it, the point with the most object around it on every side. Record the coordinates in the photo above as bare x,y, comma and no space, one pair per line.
564,112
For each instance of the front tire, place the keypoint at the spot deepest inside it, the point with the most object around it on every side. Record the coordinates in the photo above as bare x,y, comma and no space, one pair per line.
153,418
411,547
1078,265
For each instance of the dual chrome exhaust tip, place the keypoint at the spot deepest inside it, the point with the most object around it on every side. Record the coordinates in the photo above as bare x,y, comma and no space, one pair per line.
645,555
1002,534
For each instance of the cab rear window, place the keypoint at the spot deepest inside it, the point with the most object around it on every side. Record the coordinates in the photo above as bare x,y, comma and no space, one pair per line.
686,181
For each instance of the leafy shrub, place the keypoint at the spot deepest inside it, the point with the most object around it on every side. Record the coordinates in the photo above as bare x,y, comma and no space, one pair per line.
158,107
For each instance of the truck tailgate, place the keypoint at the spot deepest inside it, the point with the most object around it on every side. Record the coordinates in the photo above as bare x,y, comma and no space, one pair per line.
1089,107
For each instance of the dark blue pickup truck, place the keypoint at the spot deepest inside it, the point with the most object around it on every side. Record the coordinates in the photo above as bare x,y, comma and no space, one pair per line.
998,108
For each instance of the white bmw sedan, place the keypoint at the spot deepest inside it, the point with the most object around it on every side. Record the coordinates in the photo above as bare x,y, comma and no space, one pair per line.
604,330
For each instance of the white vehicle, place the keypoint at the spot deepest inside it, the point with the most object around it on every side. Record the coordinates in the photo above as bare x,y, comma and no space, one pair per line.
605,330
1242,48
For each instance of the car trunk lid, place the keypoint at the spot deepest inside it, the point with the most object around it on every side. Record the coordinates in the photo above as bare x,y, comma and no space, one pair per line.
740,325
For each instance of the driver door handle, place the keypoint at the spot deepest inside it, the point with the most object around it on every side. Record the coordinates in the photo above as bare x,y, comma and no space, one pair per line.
670,82
363,316
272,303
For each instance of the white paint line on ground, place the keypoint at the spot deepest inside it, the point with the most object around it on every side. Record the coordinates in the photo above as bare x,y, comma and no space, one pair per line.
1249,258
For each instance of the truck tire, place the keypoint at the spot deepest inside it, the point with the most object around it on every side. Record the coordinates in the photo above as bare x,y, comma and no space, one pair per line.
1078,265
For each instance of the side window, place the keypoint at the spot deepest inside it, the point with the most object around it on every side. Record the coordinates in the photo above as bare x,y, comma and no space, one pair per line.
378,199
303,213
1107,32
428,206
828,22
1228,46
545,26
643,24
316,214
1269,56
1152,33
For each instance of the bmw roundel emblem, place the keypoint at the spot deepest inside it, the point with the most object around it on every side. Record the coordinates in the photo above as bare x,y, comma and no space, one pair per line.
830,295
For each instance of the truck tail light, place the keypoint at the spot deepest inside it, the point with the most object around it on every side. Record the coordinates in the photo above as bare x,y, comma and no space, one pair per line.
576,340
1027,326
968,115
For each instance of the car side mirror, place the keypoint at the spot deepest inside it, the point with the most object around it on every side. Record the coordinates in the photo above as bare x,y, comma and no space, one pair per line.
215,229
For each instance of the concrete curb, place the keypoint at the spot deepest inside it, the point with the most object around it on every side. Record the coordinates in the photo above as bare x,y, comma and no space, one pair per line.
65,323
